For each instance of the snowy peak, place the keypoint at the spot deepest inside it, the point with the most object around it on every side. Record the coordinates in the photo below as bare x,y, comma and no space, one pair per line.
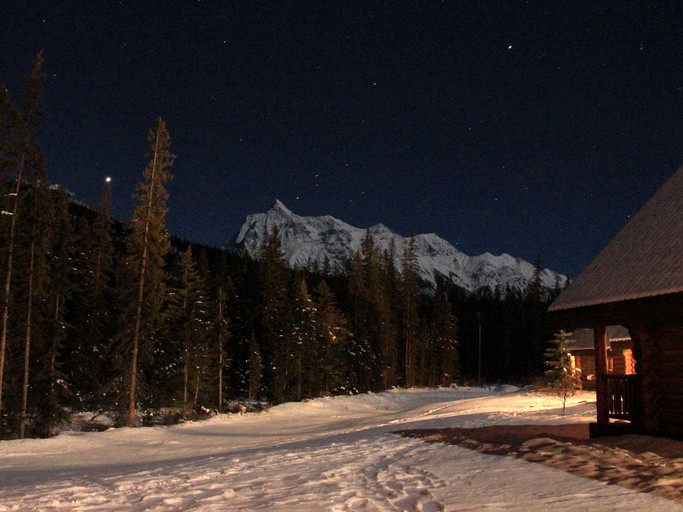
318,239
278,206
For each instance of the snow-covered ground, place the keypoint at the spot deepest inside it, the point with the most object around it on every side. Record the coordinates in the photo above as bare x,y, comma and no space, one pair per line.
329,454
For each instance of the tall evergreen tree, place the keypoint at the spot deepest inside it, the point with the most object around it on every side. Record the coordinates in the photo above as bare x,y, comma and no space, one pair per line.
20,150
330,369
363,360
101,256
388,303
35,215
305,350
274,319
10,120
438,361
222,336
255,369
377,314
186,320
410,321
144,266
50,385
10,138
535,307
221,293
86,362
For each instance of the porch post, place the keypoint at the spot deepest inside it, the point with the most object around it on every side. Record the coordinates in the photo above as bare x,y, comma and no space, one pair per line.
600,343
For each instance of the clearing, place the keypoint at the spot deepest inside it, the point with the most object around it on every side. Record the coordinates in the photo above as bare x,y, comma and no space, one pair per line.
342,453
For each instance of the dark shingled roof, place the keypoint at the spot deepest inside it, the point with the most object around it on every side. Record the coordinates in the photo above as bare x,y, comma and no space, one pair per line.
582,339
645,259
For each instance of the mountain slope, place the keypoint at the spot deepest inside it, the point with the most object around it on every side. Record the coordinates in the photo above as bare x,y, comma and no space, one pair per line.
313,239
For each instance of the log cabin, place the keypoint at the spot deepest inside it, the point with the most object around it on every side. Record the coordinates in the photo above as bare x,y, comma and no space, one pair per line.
636,281
619,354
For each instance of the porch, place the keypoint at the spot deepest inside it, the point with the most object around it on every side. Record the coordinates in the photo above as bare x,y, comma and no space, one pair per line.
618,397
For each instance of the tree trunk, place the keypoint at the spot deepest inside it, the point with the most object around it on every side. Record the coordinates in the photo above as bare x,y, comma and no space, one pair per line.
186,371
8,278
53,364
186,341
196,387
299,374
27,343
131,420
220,349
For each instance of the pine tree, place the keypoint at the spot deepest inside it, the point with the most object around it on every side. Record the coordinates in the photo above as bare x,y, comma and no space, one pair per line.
366,293
222,336
274,319
221,294
186,322
410,320
439,358
10,138
101,255
560,373
86,355
535,307
377,313
330,369
389,308
363,358
50,385
9,135
34,214
255,369
305,350
20,150
147,245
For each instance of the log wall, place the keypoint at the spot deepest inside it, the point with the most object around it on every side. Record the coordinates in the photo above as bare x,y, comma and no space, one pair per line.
661,368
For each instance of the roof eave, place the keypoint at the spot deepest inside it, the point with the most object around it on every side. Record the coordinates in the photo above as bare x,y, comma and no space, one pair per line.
644,310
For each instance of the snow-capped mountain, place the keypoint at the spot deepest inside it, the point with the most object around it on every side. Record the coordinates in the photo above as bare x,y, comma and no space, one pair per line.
312,239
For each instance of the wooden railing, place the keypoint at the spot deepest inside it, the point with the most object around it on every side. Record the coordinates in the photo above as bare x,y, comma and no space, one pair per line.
622,398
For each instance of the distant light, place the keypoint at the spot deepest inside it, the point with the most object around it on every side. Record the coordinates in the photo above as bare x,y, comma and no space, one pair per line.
107,179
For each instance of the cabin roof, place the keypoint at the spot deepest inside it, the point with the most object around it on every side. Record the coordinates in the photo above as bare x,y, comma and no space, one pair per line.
645,259
582,339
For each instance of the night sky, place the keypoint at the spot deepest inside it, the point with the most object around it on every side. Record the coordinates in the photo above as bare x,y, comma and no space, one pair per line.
520,127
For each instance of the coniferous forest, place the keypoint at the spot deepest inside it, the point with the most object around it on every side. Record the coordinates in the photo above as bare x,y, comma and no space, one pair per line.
118,316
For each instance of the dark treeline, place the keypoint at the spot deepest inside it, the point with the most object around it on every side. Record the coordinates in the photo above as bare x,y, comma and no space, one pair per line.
101,315
509,329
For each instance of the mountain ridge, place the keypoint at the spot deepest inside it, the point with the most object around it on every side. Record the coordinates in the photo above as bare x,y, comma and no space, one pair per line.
317,238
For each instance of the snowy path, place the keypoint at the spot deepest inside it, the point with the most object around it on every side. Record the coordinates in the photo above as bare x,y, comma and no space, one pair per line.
332,454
